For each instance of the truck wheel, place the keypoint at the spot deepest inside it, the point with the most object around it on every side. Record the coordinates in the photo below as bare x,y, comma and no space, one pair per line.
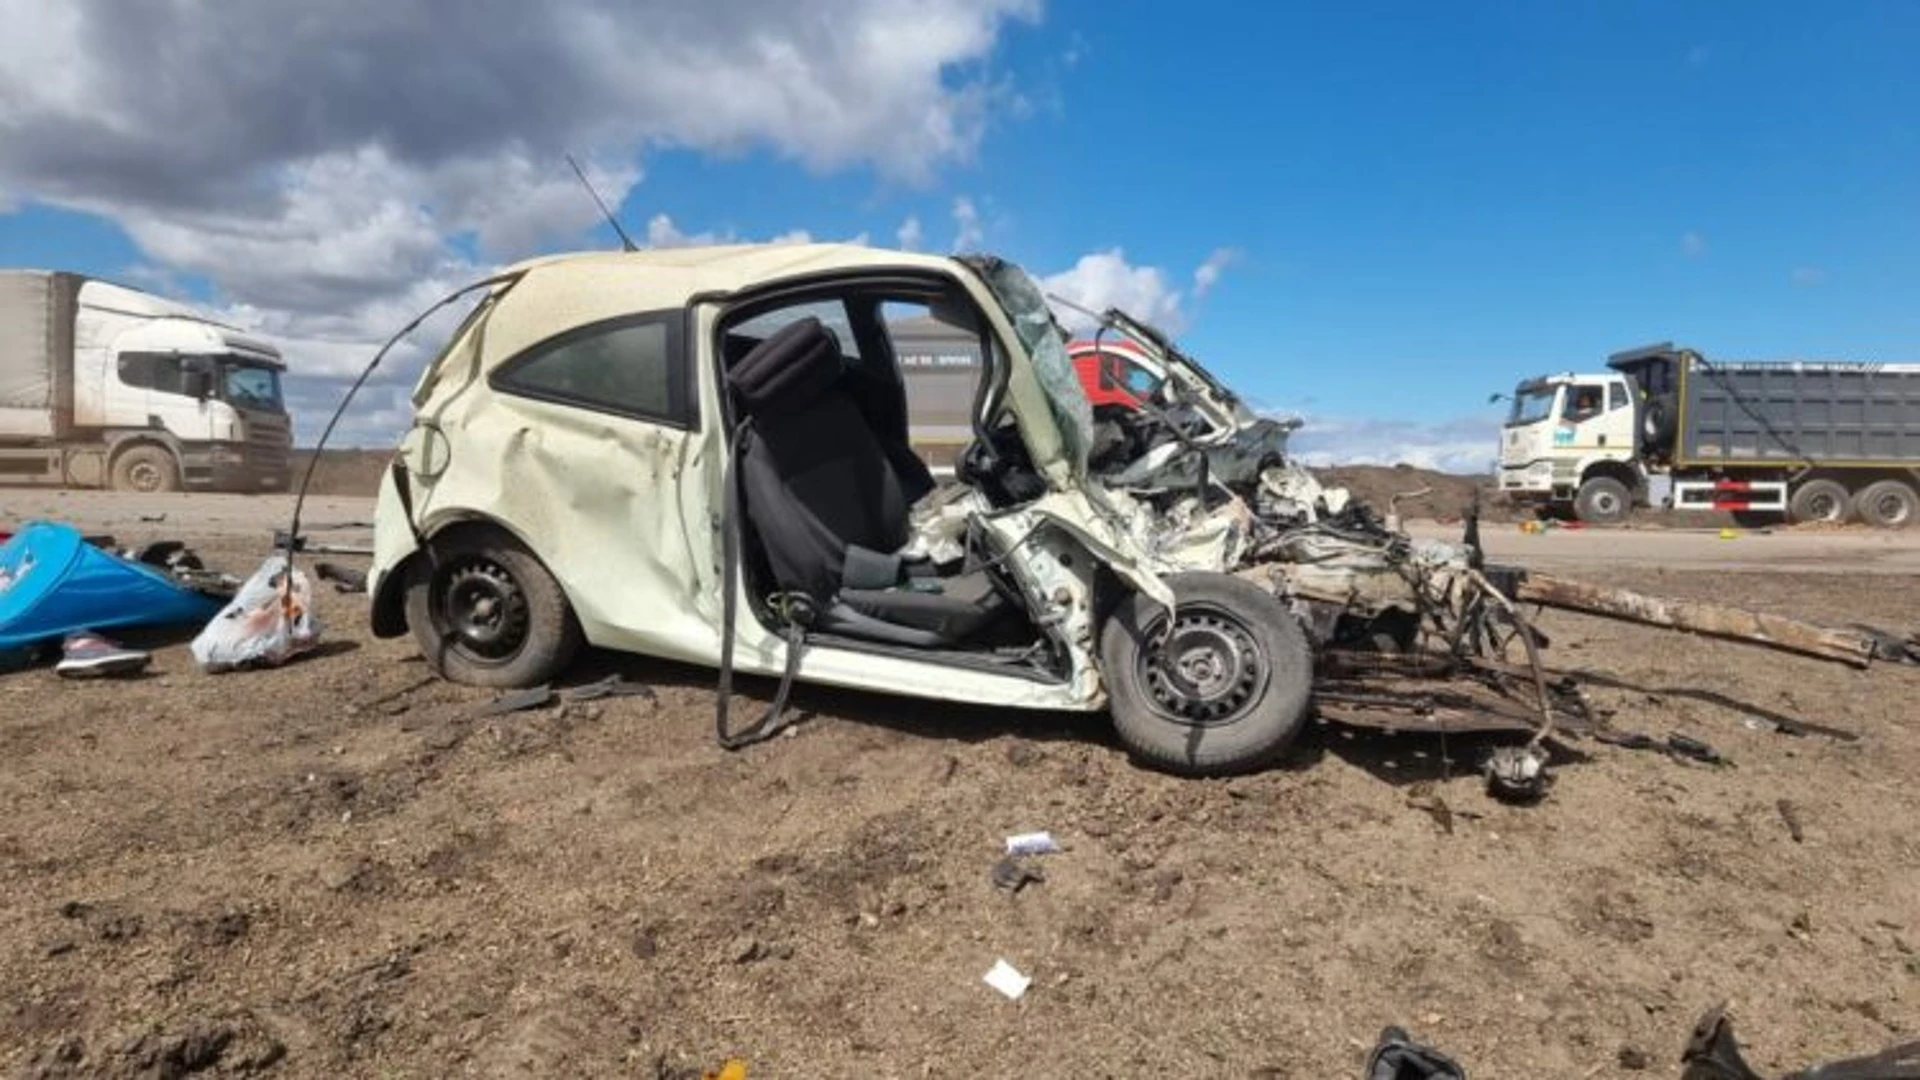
1819,500
1603,501
1886,504
486,613
1228,690
146,469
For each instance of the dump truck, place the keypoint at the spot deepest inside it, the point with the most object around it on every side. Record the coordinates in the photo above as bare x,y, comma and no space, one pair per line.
1665,427
104,386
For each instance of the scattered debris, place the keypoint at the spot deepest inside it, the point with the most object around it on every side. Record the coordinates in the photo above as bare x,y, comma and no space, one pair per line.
1634,1059
54,583
537,697
1397,1057
270,621
1517,773
152,519
1790,814
1713,1053
1033,843
1013,875
611,686
1675,746
86,654
345,578
1005,978
731,1069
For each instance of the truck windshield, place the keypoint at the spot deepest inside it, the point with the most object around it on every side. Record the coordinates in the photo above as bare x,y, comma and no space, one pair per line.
1532,405
251,387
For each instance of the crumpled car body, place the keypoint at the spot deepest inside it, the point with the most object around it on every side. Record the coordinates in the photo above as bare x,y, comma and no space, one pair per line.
622,496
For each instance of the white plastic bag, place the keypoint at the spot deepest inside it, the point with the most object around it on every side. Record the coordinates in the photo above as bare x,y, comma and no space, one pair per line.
264,625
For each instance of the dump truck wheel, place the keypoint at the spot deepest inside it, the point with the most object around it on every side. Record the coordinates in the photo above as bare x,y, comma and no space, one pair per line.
1603,501
1820,500
146,469
486,613
1227,692
1886,504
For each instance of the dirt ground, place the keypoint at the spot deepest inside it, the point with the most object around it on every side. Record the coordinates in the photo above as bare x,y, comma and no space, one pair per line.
341,869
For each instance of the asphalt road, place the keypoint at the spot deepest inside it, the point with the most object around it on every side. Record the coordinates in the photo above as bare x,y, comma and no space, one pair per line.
137,518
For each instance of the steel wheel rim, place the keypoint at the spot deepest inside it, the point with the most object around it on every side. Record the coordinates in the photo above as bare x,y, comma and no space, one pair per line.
1208,670
482,610
1893,508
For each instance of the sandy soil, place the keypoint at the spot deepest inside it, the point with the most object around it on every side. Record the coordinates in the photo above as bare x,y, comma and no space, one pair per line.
342,869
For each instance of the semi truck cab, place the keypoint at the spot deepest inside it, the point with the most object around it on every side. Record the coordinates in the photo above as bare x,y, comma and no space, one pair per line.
1569,441
106,386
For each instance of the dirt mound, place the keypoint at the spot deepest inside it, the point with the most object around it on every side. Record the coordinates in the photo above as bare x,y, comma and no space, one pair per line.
1447,494
343,472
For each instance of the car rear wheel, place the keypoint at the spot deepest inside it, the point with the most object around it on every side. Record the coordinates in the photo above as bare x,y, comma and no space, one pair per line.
1222,688
487,613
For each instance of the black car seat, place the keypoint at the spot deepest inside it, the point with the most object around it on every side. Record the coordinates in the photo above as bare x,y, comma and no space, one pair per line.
828,506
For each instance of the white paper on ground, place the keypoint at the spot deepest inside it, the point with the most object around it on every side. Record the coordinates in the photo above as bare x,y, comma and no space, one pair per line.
1032,843
1008,981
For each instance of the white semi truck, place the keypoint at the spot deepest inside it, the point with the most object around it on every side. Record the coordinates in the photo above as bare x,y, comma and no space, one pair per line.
106,386
1666,427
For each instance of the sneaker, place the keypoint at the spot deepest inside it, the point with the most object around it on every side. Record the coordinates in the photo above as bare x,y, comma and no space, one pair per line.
87,654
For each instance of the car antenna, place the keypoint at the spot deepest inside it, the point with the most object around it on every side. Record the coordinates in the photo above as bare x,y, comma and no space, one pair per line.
626,242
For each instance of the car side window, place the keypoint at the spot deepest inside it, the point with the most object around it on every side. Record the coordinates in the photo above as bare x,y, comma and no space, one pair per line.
831,313
1616,396
630,366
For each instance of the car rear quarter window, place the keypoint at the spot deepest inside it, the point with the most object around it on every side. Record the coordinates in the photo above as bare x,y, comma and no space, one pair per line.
631,366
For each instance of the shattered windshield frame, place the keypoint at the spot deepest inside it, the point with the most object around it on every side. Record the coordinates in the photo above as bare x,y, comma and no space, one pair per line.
1046,344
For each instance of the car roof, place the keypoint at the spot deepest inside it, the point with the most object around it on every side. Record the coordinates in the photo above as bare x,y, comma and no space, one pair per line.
556,293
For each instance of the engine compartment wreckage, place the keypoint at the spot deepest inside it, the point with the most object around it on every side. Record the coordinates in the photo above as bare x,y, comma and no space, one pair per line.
703,454
1408,634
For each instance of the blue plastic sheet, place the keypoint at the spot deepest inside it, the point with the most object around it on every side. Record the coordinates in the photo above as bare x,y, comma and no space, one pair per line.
52,583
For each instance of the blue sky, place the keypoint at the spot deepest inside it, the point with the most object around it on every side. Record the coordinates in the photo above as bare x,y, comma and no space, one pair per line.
1410,205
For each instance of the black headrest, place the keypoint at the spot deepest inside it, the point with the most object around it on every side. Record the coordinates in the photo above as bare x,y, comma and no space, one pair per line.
794,365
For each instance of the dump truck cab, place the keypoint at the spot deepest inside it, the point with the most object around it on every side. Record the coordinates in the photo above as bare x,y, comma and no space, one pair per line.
1569,443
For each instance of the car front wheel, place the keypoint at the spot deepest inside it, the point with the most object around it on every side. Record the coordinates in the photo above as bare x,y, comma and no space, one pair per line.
1220,688
487,613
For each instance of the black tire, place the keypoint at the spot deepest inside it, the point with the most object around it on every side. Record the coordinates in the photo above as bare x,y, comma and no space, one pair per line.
1255,668
1820,500
1887,504
146,469
487,613
1603,501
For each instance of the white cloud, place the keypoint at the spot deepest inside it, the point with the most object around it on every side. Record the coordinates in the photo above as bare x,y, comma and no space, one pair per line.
1208,273
343,168
1105,279
1693,245
968,234
1806,277
910,236
1468,444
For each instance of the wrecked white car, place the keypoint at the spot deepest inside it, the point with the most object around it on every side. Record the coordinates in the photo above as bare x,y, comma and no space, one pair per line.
701,454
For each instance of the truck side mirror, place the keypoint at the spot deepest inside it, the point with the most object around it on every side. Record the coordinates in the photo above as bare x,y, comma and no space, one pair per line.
199,384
